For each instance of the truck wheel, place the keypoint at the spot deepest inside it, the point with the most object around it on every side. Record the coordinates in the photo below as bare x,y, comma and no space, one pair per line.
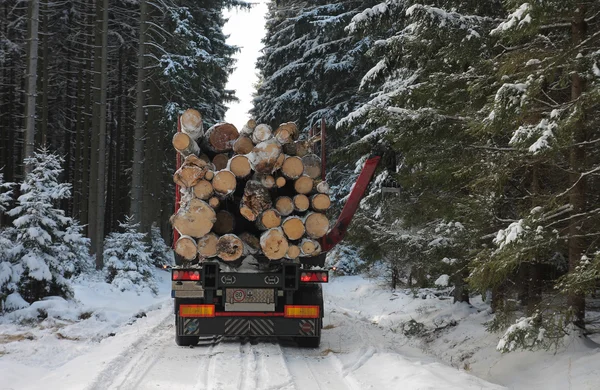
310,295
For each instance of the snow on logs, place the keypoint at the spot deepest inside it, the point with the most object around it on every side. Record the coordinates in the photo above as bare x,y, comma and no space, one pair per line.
253,192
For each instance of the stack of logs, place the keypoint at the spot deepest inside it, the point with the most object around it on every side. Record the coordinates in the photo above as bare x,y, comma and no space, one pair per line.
256,191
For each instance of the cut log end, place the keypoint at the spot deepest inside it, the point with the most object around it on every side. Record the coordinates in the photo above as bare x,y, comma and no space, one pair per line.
220,161
320,202
262,133
230,247
280,182
207,245
194,219
240,166
265,156
301,202
214,202
292,167
185,145
221,137
316,224
248,213
293,227
293,252
304,185
309,247
284,205
243,145
203,189
269,219
312,166
186,248
274,244
191,123
224,183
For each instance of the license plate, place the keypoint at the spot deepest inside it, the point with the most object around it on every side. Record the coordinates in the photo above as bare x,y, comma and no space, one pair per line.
250,295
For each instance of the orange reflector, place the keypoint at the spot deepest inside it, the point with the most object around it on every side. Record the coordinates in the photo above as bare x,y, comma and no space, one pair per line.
301,311
197,310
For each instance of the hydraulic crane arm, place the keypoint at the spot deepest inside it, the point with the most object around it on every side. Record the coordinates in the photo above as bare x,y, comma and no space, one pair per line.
337,233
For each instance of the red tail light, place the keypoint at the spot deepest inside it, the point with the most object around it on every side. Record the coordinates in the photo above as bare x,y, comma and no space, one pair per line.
185,275
314,276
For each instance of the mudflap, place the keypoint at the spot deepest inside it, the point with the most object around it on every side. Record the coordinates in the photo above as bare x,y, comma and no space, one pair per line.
249,327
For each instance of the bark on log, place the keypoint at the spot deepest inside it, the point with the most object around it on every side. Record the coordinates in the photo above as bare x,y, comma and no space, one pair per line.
323,187
293,252
191,172
224,183
221,137
292,167
320,202
301,203
220,161
230,248
251,241
185,145
262,133
240,166
293,227
297,148
286,132
186,248
312,166
248,128
284,205
194,219
207,245
268,181
264,157
203,189
280,161
304,185
274,244
317,225
243,145
269,219
256,199
225,223
191,123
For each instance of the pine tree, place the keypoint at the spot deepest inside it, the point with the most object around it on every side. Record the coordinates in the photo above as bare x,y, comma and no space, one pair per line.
127,259
48,245
160,253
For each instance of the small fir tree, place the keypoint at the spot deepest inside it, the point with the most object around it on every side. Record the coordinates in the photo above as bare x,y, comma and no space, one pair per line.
160,253
127,259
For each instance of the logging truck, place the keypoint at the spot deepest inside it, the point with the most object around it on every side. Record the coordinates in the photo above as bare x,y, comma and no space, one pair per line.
250,231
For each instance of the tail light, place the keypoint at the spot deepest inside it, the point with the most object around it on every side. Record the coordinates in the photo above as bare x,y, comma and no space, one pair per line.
314,276
196,311
185,275
297,311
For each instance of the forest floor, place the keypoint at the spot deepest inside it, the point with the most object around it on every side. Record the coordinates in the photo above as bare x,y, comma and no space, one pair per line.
114,340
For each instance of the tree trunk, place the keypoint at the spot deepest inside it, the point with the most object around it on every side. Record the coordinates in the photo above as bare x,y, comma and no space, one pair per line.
31,85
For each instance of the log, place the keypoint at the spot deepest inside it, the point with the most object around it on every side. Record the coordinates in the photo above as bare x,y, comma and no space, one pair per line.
191,124
323,187
240,166
262,133
320,202
256,199
268,181
214,202
301,203
186,248
293,227
225,223
209,175
185,145
243,145
224,183
317,225
280,182
264,157
309,247
284,205
297,148
293,252
286,132
312,166
194,219
292,167
204,157
269,219
220,161
274,244
191,172
248,128
221,137
203,189
280,161
230,247
304,185
207,245
251,241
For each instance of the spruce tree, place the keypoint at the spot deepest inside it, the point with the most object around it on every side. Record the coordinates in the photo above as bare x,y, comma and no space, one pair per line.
160,253
127,259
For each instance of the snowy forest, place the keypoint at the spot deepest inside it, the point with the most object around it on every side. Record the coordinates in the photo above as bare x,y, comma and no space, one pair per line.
486,115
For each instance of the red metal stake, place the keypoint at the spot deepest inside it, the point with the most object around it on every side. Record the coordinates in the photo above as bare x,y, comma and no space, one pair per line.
177,192
323,150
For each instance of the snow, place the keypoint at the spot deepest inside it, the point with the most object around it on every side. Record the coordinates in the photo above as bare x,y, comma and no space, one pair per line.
511,234
518,18
442,281
107,339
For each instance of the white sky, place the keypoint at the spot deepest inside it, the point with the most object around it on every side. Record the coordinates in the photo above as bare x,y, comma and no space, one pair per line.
245,29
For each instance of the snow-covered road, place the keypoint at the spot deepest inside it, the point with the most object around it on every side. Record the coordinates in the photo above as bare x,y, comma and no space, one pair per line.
355,354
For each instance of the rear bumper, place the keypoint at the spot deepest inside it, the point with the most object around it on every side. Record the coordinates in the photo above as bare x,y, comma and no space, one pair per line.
249,326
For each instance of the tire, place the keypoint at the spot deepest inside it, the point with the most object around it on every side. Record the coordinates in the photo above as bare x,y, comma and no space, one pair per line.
182,341
310,295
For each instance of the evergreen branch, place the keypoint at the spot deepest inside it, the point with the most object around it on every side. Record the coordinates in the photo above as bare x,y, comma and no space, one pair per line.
587,214
581,176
